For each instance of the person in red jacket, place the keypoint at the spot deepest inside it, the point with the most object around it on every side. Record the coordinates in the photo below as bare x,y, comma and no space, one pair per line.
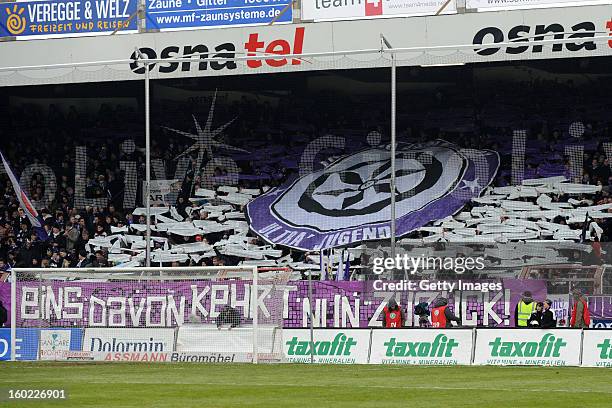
392,315
441,315
580,312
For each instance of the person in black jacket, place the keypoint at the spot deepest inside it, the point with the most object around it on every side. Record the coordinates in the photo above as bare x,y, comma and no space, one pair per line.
535,320
228,315
548,317
3,314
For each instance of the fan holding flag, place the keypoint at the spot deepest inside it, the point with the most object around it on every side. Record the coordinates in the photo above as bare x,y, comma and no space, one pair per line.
26,204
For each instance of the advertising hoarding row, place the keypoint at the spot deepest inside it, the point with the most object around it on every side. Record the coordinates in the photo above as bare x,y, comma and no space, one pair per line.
555,347
329,10
51,18
456,39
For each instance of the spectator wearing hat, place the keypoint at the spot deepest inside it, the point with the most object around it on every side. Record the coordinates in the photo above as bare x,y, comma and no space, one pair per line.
523,310
548,317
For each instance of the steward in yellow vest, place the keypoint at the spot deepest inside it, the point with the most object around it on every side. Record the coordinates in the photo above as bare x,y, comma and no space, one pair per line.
524,308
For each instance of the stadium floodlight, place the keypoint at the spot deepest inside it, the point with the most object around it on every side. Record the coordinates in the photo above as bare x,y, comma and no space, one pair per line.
195,314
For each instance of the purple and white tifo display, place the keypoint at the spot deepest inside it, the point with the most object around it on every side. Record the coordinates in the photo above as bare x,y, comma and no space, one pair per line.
350,200
169,304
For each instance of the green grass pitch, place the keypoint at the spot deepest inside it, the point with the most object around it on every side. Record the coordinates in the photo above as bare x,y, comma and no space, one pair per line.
288,385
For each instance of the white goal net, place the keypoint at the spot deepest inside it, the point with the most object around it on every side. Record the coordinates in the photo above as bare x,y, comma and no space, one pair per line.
196,314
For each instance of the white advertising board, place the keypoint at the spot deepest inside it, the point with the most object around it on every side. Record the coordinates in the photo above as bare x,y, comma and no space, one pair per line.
327,10
119,344
331,346
527,347
470,38
597,348
421,347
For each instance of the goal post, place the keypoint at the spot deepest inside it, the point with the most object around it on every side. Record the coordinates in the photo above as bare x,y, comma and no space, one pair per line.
190,314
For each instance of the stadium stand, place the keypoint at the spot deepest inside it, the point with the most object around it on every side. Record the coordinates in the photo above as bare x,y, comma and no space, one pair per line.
207,225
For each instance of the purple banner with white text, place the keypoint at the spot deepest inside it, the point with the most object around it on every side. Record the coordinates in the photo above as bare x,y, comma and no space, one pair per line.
172,303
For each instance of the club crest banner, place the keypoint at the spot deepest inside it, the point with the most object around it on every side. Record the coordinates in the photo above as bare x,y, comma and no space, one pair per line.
349,200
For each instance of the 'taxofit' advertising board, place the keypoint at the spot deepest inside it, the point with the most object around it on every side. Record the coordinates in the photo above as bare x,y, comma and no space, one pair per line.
528,347
421,347
330,346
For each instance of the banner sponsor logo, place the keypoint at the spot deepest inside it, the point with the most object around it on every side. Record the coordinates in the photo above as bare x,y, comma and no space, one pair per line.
442,346
548,346
135,343
328,347
253,46
340,346
53,343
5,344
54,340
67,17
77,355
597,348
606,349
528,347
421,347
540,32
494,5
140,357
176,14
321,10
349,200
204,358
601,323
40,344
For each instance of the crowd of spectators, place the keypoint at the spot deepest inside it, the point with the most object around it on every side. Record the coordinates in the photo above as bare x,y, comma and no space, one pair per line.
470,116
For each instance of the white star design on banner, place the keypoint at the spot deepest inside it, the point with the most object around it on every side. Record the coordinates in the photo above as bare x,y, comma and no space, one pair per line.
472,185
206,138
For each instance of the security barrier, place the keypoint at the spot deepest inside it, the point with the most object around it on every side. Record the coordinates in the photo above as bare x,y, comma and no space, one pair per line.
557,347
